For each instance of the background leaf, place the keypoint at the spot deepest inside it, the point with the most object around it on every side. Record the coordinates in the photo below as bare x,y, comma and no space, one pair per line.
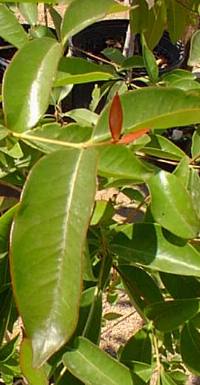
137,348
190,348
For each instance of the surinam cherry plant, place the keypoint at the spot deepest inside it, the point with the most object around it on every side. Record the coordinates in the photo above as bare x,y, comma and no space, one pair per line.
60,245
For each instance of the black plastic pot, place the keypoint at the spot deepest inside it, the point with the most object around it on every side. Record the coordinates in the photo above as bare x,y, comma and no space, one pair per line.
96,38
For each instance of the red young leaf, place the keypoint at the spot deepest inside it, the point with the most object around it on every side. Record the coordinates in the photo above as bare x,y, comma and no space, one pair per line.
128,138
116,118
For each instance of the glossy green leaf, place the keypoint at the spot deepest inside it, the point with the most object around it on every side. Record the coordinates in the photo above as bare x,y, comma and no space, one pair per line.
144,371
194,55
169,315
68,378
186,84
150,245
73,70
81,14
5,225
30,12
53,214
8,348
161,147
172,206
95,367
34,376
6,300
54,131
151,22
82,116
10,29
118,161
180,286
176,75
182,170
87,266
57,20
114,55
92,329
137,348
194,190
153,108
149,61
24,98
140,286
166,379
196,143
133,62
177,17
190,348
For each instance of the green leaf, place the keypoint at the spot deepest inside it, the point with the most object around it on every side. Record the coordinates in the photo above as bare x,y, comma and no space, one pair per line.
73,70
194,190
83,116
172,206
161,147
111,316
34,376
190,348
141,288
153,108
149,61
92,329
182,170
10,29
133,62
178,74
137,348
7,350
54,131
194,55
81,14
95,367
144,371
180,286
119,162
24,98
87,266
113,54
5,225
166,379
177,18
53,214
151,22
68,378
149,245
169,315
196,143
29,12
57,20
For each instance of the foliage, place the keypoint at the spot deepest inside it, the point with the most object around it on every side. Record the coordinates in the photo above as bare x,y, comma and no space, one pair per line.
59,245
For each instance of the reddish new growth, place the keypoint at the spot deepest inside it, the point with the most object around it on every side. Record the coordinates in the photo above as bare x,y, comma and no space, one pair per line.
116,121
